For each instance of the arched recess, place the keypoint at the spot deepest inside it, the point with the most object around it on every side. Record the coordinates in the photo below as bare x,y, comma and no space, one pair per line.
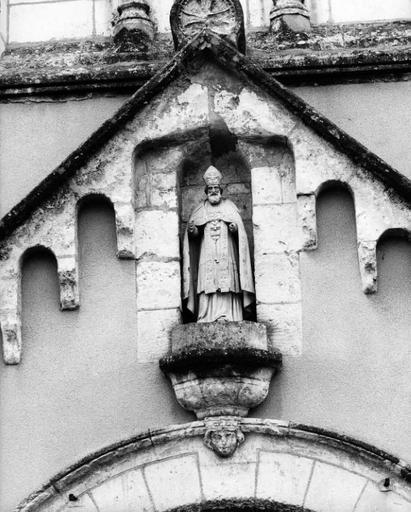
260,173
279,463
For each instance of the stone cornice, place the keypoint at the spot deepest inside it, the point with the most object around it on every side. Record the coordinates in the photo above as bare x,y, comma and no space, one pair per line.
330,53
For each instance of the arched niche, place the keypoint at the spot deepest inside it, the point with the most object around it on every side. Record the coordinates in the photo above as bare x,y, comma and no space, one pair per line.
282,467
260,178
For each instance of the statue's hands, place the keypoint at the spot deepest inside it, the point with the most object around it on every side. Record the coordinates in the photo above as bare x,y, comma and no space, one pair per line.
192,229
233,227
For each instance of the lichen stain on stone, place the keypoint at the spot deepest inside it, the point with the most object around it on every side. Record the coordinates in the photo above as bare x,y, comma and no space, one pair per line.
5,251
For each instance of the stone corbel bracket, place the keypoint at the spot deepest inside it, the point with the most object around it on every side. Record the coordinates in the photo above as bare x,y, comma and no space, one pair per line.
220,368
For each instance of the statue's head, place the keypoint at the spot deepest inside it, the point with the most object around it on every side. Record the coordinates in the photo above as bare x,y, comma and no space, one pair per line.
212,178
224,438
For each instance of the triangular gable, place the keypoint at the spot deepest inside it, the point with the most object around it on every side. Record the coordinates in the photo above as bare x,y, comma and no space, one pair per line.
227,56
169,112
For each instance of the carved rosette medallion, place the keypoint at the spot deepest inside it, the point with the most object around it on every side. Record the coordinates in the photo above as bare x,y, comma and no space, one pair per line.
224,17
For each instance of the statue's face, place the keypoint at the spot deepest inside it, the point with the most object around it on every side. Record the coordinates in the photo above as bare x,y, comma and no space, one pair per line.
214,194
224,442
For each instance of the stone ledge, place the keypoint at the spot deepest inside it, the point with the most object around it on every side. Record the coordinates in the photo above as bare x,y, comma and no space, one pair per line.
333,51
209,358
208,346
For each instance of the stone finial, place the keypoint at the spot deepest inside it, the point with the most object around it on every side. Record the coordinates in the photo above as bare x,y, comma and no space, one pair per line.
289,16
224,17
133,26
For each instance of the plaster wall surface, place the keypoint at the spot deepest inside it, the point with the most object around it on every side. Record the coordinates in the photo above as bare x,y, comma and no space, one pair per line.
376,114
36,137
79,389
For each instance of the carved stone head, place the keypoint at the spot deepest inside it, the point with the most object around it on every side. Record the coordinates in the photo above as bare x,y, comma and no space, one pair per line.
212,179
223,437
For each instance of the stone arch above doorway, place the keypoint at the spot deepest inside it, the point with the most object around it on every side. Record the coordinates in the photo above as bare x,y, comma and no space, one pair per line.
299,466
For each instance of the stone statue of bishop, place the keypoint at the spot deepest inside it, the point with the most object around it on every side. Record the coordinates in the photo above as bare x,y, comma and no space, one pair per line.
217,276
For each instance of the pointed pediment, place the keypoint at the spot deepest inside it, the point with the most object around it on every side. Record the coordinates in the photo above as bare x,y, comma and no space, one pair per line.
229,58
208,91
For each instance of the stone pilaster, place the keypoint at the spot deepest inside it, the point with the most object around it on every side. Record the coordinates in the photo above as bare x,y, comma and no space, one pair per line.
289,16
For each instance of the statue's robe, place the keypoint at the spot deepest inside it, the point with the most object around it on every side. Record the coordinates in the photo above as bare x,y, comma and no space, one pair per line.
217,276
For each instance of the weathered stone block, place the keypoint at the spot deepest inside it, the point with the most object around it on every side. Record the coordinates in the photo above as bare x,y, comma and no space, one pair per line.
223,481
308,220
153,333
143,187
373,499
174,482
288,177
127,492
163,192
276,229
247,114
158,285
332,488
317,162
219,334
11,335
157,234
68,279
283,477
277,278
266,183
367,259
125,229
284,326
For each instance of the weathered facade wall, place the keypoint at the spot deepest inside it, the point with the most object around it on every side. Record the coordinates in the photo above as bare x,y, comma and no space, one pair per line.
360,109
88,378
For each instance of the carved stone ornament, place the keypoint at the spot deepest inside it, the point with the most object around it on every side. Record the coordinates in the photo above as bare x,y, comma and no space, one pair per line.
220,369
289,15
133,26
224,17
223,436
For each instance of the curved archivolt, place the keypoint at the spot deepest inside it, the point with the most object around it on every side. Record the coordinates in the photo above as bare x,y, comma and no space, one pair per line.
280,467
